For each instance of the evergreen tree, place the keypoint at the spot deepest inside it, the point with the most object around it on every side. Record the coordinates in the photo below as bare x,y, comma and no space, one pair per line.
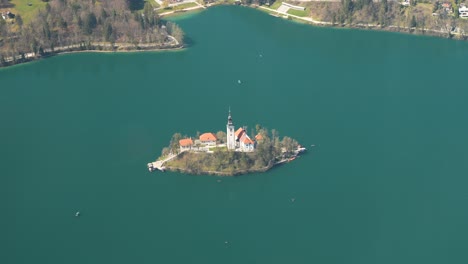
413,22
19,20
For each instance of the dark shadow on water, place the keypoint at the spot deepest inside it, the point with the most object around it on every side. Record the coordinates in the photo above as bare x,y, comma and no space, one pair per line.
189,42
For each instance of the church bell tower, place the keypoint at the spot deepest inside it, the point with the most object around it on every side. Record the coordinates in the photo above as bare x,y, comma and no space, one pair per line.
231,141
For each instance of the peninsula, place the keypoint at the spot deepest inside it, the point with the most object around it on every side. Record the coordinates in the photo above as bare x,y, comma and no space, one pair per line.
228,153
43,29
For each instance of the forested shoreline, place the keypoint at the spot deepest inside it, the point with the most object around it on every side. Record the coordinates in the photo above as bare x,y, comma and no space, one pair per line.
423,17
76,25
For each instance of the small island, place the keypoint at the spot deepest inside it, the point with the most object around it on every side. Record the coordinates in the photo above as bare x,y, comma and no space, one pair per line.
228,153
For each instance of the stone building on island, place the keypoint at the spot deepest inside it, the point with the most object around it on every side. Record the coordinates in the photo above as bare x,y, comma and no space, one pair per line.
208,139
185,144
236,140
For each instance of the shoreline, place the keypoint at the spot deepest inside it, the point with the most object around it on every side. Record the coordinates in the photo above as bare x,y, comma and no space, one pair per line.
375,27
310,21
129,47
160,165
220,173
232,173
98,47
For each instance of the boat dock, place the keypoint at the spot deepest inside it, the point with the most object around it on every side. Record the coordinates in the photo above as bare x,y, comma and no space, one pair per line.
159,164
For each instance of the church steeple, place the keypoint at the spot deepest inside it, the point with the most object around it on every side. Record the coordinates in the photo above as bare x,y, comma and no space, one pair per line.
231,141
229,117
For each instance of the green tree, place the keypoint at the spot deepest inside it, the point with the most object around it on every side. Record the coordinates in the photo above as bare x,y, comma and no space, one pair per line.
347,7
135,4
413,22
175,31
19,20
89,23
221,136
174,143
108,32
383,13
435,7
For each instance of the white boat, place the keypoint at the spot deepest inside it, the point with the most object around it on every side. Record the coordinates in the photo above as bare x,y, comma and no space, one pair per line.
77,214
239,81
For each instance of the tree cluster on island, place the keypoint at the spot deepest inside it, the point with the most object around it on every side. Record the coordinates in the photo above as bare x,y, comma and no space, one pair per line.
65,23
270,150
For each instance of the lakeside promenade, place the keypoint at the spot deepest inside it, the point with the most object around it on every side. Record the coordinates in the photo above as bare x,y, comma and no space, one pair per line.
97,47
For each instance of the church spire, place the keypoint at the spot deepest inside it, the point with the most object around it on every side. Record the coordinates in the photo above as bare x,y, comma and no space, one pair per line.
229,117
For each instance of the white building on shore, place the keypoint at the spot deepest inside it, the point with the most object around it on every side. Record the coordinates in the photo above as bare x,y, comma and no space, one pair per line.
463,11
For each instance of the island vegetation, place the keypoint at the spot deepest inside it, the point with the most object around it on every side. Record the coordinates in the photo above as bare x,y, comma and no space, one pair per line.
270,150
76,25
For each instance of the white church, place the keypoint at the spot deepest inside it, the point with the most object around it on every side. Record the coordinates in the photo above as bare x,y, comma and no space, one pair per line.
238,140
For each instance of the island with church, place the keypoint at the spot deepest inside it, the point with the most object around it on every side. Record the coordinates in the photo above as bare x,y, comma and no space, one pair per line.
228,153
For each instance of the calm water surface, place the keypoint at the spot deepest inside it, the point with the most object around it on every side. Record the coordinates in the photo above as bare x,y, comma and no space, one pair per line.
386,182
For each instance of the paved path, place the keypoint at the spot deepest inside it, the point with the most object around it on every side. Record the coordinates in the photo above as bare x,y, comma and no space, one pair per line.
65,49
308,19
159,163
283,8
185,9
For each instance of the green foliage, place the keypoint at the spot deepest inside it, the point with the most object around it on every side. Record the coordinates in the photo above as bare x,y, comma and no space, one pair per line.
413,22
135,4
108,33
174,143
382,16
347,6
19,20
221,136
269,150
360,4
175,31
435,7
300,13
89,23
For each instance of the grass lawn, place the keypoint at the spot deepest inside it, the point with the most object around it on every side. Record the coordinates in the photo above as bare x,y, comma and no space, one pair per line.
301,13
276,4
27,12
164,10
218,148
183,6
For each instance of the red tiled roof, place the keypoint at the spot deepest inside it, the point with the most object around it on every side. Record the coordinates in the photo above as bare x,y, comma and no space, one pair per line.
259,137
186,142
246,139
239,132
207,137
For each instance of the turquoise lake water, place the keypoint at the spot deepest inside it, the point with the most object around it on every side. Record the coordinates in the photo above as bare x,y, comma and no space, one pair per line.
386,182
